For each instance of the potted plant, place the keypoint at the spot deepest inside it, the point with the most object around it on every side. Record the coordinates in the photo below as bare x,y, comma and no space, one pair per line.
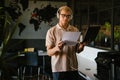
117,33
9,28
117,37
106,32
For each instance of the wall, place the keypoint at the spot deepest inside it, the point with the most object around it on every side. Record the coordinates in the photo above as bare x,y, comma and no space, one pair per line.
26,31
43,15
19,44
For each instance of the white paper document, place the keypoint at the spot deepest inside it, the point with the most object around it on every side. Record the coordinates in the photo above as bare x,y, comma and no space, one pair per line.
70,38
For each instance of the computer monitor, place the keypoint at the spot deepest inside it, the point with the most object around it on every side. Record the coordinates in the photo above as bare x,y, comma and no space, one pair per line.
91,33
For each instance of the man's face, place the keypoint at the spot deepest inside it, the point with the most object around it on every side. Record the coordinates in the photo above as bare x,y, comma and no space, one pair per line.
64,16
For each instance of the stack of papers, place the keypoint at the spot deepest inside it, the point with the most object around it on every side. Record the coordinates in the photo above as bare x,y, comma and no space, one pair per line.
71,38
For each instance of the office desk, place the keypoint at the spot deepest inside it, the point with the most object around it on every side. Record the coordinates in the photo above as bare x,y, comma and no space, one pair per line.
44,61
39,54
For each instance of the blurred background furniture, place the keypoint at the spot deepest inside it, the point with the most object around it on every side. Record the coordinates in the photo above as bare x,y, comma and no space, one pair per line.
45,65
34,64
31,69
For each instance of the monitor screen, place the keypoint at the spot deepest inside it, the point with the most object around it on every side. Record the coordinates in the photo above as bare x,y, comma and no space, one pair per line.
91,33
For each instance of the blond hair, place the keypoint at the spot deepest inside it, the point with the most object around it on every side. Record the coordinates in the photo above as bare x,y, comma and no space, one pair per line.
66,8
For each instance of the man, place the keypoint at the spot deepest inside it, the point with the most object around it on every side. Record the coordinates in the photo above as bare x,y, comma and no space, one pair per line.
63,57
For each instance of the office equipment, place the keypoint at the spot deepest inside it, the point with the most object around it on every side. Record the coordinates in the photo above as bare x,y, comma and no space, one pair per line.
91,33
108,65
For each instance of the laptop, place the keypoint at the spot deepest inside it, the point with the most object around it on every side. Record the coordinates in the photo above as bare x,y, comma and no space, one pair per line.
91,33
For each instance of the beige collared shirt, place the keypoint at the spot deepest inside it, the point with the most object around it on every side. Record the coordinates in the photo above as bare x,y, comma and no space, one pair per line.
66,60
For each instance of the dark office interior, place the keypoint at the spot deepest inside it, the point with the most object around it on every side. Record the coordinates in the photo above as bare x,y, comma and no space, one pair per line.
100,59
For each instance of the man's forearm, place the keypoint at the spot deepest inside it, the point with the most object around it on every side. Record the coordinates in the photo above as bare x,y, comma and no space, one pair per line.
53,51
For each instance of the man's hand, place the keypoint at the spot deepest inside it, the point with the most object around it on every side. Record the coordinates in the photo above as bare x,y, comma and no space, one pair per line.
59,46
80,47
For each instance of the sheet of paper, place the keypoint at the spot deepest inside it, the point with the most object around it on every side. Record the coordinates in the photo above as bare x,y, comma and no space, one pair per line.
71,38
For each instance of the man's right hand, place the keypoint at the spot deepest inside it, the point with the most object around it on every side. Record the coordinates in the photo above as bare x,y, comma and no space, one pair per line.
59,46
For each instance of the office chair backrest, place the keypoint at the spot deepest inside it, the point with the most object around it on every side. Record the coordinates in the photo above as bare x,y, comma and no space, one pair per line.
31,58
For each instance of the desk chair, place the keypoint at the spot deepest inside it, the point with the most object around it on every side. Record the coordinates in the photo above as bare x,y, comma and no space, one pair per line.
30,65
